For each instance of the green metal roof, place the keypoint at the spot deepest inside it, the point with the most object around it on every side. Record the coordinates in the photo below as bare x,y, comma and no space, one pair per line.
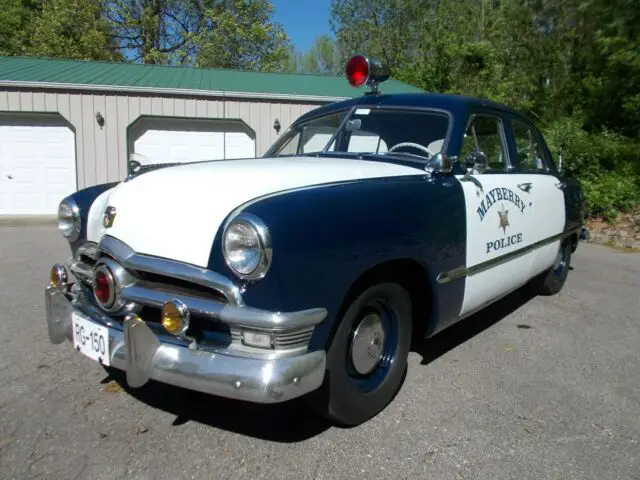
118,76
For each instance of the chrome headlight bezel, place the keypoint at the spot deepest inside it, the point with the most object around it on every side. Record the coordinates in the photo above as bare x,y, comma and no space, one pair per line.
69,221
264,250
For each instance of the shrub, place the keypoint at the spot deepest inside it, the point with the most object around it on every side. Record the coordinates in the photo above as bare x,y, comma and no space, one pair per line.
606,164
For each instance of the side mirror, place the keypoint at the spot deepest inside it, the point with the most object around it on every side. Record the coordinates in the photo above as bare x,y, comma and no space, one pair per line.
477,161
440,163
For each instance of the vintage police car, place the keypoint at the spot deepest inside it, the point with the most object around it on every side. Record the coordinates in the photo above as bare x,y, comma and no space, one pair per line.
369,223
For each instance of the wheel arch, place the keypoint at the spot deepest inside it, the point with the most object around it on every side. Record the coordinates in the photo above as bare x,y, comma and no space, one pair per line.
412,276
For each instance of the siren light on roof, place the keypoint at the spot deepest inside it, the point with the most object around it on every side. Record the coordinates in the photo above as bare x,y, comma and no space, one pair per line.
360,71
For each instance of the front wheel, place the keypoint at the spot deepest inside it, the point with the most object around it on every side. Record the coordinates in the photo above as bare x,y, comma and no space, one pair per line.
367,358
551,281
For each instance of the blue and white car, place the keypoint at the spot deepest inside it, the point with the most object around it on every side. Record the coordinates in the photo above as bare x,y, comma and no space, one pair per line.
370,223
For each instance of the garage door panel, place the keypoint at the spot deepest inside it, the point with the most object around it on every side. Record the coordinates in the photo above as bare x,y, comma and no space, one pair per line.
182,140
239,145
37,162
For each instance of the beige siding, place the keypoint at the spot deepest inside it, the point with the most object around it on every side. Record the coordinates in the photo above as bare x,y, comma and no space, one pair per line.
102,152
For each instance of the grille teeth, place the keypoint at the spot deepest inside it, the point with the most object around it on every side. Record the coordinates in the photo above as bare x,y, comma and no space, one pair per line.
288,340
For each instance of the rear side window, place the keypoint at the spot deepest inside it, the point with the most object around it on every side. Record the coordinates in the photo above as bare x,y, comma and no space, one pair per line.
531,157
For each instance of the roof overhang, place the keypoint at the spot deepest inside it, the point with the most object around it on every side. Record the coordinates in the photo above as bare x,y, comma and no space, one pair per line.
169,91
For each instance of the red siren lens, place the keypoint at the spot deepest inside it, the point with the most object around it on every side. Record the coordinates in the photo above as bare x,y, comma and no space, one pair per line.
357,71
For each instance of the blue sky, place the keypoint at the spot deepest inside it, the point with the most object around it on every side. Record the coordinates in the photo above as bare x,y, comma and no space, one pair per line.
303,20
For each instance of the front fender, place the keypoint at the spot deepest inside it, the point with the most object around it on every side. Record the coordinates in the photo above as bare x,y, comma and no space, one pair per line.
324,238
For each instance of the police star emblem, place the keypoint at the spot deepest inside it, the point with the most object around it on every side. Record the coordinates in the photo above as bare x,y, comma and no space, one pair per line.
109,217
504,219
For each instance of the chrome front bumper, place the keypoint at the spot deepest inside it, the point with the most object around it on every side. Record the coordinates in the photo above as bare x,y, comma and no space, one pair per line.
144,355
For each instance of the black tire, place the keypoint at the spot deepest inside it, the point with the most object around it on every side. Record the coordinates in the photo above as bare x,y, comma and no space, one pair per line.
551,281
347,397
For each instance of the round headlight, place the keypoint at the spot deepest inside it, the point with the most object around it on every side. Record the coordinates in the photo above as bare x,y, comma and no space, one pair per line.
69,219
246,246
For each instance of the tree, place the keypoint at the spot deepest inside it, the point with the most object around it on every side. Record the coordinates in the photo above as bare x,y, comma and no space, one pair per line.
16,16
69,29
211,33
323,57
241,34
572,65
156,31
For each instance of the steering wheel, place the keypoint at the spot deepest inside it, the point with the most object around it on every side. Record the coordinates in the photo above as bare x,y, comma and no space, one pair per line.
411,144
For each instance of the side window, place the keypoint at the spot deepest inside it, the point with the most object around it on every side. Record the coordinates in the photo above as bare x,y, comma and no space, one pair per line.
484,135
291,147
531,155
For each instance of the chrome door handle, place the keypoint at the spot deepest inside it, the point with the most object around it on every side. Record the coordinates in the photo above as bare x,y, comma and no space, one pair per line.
525,187
561,185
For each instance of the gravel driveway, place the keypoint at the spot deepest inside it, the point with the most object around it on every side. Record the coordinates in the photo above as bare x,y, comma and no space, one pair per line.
530,388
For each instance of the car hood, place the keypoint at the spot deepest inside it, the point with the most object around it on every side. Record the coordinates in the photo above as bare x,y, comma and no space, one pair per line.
175,212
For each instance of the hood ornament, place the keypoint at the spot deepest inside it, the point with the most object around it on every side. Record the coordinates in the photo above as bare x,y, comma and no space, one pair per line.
109,217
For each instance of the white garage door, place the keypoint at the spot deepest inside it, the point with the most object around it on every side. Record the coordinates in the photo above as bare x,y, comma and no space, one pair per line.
37,164
179,140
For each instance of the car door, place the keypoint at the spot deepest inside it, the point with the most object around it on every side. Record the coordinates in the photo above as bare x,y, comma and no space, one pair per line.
499,215
533,164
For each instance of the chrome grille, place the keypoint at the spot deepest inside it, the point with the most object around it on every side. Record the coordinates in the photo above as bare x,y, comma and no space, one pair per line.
283,340
215,302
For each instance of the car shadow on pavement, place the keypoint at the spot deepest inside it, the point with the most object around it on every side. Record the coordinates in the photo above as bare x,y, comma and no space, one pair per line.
432,348
281,422
291,421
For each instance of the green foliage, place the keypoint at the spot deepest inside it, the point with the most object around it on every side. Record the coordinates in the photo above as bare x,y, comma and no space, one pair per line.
15,17
69,29
606,164
213,33
323,57
571,65
240,34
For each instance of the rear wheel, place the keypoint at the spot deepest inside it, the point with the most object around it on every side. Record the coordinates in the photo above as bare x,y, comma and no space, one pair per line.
367,358
551,281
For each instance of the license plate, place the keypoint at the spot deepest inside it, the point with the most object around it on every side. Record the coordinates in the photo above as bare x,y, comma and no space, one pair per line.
90,339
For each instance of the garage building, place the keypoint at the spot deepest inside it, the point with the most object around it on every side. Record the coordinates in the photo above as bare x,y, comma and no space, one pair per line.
68,124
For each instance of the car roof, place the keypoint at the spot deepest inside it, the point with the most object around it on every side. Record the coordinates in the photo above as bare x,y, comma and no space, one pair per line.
457,104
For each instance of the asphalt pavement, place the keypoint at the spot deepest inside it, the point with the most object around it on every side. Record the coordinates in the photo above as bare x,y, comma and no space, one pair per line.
530,388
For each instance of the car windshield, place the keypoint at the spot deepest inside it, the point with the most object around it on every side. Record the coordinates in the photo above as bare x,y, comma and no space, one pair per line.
383,131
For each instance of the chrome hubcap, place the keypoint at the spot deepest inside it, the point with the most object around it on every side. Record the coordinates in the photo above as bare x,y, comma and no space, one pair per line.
367,344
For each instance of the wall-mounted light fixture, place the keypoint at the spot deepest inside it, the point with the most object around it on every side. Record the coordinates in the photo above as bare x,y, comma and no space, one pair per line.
276,126
100,119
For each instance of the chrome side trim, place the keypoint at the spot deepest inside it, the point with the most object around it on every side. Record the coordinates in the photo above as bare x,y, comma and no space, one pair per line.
171,268
459,272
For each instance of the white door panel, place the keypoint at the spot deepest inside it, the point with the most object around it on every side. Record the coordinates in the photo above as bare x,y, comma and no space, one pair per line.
37,164
550,218
500,221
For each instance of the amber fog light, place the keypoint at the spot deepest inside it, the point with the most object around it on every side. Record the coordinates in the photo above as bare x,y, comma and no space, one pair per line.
175,317
58,277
